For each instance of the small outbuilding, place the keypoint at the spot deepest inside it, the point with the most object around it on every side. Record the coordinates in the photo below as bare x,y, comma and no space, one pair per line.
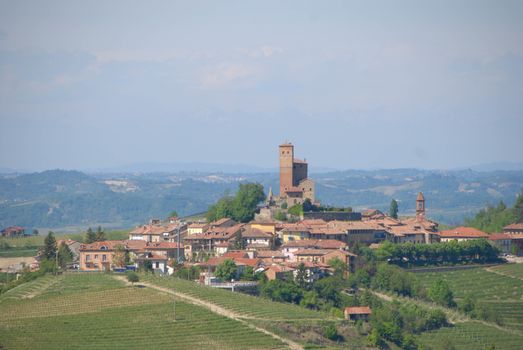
357,313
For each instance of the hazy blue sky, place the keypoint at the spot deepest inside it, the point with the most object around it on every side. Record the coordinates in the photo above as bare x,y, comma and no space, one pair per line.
96,84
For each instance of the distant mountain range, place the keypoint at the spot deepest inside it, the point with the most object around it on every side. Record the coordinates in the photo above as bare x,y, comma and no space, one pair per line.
59,198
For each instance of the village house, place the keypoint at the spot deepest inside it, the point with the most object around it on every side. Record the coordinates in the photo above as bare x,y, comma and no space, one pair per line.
278,272
462,234
207,241
241,264
356,313
256,239
197,228
514,228
269,226
271,256
501,240
74,246
291,247
157,231
13,231
100,256
325,256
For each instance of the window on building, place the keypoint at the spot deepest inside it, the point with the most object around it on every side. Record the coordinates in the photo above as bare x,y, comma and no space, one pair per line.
95,256
88,257
104,257
157,265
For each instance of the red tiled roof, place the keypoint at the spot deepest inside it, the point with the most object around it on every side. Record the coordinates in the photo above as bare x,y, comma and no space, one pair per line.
236,254
154,229
318,252
498,236
358,310
463,232
420,197
220,221
255,233
316,243
238,261
163,245
516,226
270,254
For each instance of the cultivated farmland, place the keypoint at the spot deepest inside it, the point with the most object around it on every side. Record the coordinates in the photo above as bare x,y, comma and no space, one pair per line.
471,335
243,304
95,311
500,290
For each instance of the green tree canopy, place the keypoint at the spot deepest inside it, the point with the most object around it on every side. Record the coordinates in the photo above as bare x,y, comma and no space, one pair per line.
133,277
226,270
440,293
241,207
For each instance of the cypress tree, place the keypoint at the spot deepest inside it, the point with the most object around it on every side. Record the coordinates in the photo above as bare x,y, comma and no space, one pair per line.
100,234
90,236
50,246
393,211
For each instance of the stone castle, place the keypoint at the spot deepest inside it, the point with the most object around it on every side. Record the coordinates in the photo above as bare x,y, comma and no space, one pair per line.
295,185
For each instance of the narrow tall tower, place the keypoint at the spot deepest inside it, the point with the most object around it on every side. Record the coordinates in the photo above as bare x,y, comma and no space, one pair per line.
420,206
286,163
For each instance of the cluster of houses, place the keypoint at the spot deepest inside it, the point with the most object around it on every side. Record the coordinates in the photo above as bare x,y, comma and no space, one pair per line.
276,248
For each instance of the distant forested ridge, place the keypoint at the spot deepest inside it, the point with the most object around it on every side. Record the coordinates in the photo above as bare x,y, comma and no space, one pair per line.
59,198
494,218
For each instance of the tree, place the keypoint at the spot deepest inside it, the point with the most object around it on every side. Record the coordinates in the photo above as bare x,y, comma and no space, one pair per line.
301,276
393,211
226,270
330,332
65,255
440,293
35,232
340,268
241,207
246,201
100,234
90,236
121,256
248,274
50,247
133,277
310,300
173,214
280,216
296,210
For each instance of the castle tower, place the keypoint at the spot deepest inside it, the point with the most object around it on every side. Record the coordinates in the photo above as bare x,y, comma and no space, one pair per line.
420,206
286,166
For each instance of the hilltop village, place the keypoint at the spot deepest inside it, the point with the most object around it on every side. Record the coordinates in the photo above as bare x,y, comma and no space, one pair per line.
268,244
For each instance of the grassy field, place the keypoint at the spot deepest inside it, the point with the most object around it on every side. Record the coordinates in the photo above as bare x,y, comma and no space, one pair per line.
503,294
95,311
244,304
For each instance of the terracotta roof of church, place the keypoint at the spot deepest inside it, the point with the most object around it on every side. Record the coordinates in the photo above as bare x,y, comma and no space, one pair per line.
420,197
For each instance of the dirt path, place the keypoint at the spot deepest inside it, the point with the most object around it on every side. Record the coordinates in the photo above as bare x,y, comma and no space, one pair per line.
493,270
218,310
